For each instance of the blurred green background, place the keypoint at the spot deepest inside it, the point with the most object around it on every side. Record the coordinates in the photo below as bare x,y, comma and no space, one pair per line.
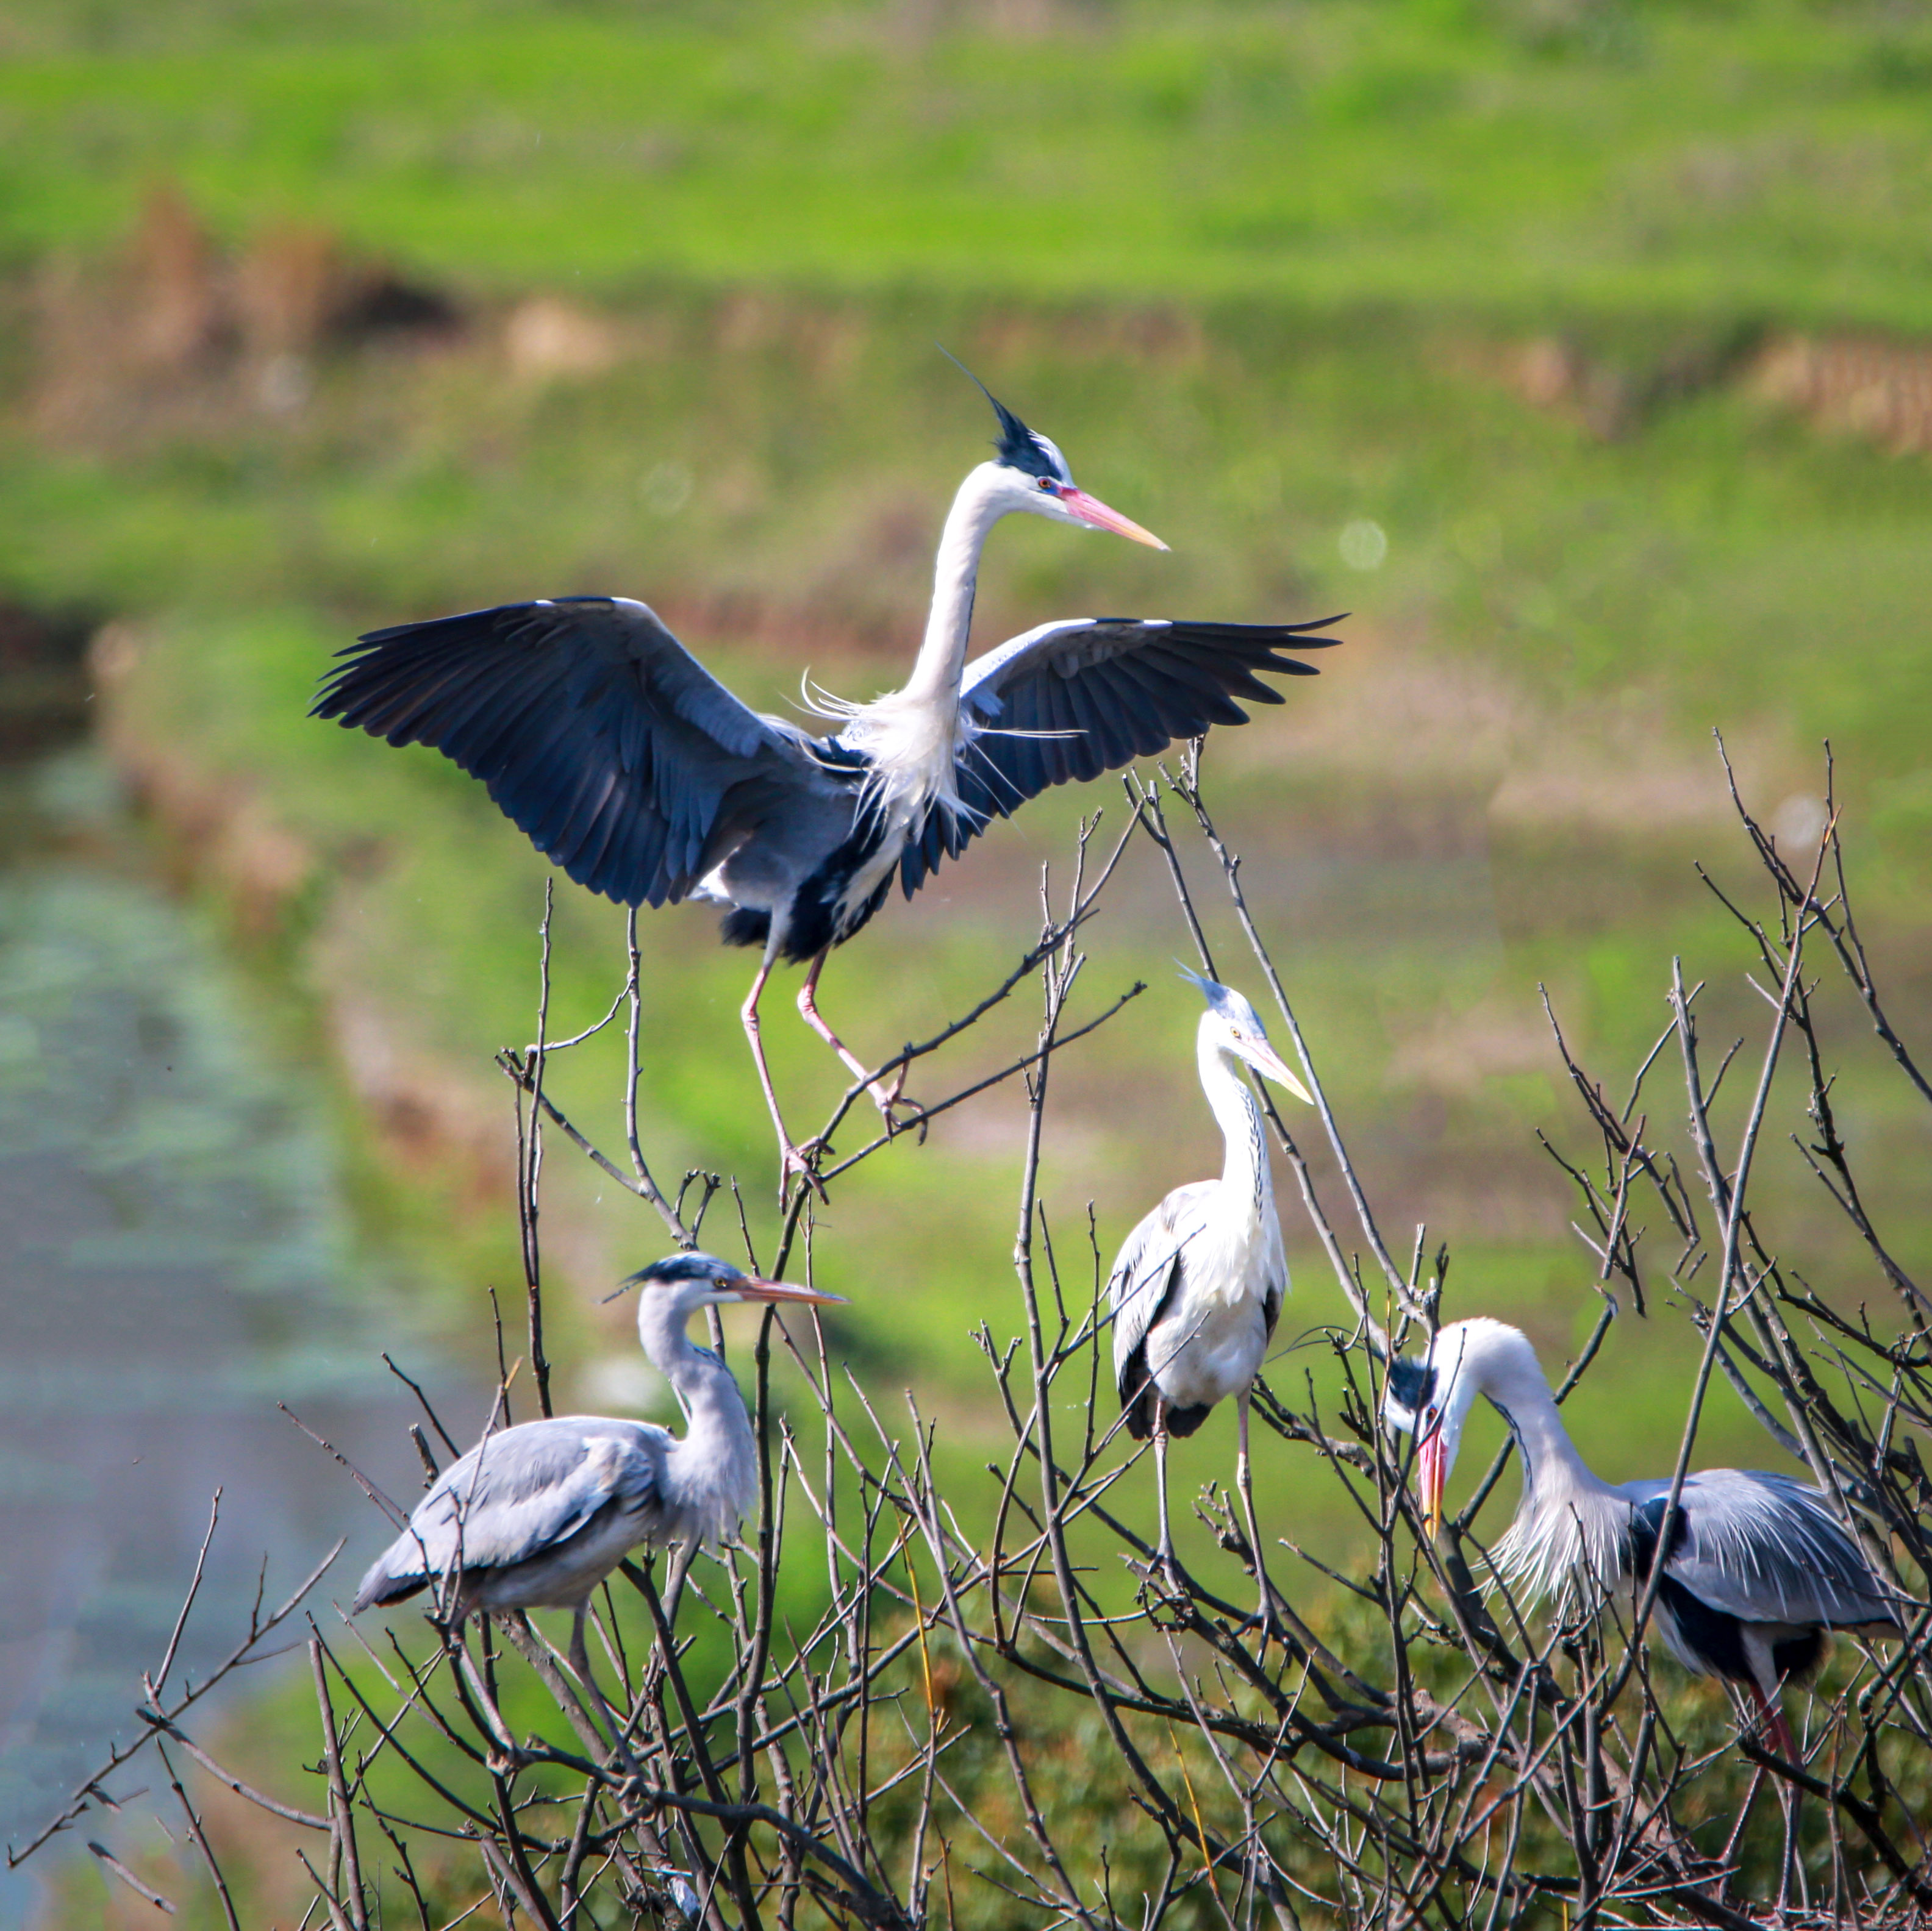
1581,349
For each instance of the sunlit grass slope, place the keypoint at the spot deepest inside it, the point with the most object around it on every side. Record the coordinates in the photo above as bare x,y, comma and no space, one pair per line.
1512,156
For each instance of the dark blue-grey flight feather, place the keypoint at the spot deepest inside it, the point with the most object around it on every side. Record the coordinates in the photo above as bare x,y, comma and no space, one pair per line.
1070,699
595,731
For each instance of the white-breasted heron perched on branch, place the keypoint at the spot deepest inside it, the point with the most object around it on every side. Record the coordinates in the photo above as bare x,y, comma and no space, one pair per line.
535,1516
1758,1567
644,779
1197,1288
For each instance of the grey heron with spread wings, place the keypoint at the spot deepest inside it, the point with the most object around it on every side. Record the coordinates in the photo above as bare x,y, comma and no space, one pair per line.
1197,1286
639,774
535,1516
1758,1568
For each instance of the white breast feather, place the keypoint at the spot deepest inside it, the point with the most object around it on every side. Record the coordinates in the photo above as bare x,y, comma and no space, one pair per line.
914,746
1571,1546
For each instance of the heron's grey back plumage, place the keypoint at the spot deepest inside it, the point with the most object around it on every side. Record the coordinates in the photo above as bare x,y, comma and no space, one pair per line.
1766,1548
518,1496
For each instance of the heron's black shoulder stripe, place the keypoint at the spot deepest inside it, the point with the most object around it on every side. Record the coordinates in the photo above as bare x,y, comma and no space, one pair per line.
835,754
1713,1636
1646,1520
814,920
1412,1384
744,925
1182,1422
1799,1656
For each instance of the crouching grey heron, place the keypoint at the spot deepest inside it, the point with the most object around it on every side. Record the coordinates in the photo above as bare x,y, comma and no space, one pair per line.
1197,1288
535,1516
644,779
1758,1567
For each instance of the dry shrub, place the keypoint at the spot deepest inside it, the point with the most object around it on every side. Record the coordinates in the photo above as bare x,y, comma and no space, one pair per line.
894,1705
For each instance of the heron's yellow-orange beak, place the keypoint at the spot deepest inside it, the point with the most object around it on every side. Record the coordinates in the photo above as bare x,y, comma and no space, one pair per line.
751,1288
1429,1473
1091,509
1265,1060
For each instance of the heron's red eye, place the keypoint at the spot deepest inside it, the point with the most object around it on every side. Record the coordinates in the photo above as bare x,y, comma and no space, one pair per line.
1046,484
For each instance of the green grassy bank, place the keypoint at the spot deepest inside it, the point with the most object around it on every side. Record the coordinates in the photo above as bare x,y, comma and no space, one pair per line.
1520,157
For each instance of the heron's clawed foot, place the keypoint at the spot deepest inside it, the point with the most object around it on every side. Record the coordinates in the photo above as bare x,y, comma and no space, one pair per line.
888,1094
802,1161
1166,1593
914,1115
1267,1624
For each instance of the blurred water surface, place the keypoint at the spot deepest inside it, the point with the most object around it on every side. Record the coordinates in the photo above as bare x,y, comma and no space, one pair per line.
176,1257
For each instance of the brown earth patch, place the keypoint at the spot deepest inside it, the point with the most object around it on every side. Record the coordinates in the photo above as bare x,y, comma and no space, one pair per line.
180,335
1420,723
1873,387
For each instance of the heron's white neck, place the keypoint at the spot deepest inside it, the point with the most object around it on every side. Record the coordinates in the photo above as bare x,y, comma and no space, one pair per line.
948,623
1245,1173
912,735
716,1460
1569,1528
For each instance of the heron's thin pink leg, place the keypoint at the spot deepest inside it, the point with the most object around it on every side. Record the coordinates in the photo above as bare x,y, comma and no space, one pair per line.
791,1159
1244,1480
1771,1710
1776,1728
884,1098
1169,1567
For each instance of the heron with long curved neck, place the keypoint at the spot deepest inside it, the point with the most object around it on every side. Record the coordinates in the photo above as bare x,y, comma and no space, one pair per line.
535,1516
1197,1286
1759,1567
644,779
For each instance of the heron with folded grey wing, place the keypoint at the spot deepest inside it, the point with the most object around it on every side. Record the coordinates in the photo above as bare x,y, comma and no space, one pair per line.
1758,1567
535,1516
1197,1287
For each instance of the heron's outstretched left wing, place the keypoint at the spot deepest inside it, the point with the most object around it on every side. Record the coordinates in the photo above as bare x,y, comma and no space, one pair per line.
1088,694
595,729
1766,1549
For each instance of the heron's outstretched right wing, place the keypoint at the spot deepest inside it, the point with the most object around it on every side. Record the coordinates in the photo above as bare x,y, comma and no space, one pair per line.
593,728
517,1495
1764,1548
1088,694
1145,1275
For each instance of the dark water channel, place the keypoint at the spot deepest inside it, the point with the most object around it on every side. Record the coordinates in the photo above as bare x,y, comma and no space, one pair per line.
176,1257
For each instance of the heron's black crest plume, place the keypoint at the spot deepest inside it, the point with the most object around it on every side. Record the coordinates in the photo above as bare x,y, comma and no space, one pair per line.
1217,995
1018,447
692,1266
1411,1384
